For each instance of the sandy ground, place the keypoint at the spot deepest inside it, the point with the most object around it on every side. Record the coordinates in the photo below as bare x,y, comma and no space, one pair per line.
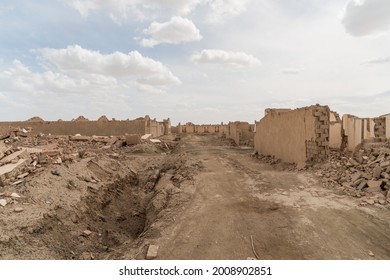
205,200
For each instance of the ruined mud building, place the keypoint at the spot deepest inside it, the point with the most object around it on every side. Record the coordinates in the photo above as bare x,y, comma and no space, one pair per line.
301,136
242,133
81,125
306,135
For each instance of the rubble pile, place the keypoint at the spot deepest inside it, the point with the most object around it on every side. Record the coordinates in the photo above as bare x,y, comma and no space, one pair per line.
22,153
365,174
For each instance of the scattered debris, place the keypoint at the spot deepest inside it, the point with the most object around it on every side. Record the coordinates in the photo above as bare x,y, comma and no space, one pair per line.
55,173
86,233
3,202
152,252
18,210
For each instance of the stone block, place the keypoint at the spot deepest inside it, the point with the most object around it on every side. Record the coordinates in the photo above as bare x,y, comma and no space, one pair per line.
152,252
377,172
385,164
374,186
16,155
146,136
79,138
133,139
11,169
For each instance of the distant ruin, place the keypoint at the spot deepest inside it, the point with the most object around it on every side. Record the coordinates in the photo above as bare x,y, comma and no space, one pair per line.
241,132
83,126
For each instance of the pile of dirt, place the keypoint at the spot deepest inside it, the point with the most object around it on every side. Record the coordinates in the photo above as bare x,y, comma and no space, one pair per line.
35,119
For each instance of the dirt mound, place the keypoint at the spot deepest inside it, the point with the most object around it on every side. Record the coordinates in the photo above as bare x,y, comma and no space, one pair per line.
146,148
35,119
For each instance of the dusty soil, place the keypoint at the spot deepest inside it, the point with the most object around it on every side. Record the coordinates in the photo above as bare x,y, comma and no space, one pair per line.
203,200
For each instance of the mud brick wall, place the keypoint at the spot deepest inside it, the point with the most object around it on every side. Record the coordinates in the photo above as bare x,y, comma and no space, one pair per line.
88,128
203,128
295,136
380,127
335,131
387,126
241,132
318,150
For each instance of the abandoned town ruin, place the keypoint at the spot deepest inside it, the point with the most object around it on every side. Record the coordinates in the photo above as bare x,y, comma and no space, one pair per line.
301,183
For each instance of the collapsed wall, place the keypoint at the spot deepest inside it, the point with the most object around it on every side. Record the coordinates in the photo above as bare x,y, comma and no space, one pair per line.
294,136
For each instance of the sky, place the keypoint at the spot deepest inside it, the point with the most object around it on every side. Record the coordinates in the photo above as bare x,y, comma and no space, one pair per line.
200,61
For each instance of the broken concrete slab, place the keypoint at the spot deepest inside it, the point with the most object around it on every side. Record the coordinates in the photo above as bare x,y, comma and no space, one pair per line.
79,138
4,135
385,164
3,149
21,176
133,139
374,186
146,136
86,233
3,202
112,141
152,252
356,176
362,185
32,150
15,195
353,162
16,155
10,169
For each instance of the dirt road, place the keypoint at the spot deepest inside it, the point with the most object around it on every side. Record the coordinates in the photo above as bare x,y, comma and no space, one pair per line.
288,214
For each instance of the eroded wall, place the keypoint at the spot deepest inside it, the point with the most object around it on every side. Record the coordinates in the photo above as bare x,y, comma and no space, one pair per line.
335,131
139,126
203,128
357,129
294,136
380,127
241,132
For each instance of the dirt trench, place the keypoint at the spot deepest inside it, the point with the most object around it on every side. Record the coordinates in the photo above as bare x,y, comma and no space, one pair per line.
117,213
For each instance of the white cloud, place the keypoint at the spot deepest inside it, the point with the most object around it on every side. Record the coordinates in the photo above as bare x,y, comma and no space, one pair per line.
378,60
177,30
20,79
226,9
366,17
119,10
238,59
75,59
80,72
291,71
